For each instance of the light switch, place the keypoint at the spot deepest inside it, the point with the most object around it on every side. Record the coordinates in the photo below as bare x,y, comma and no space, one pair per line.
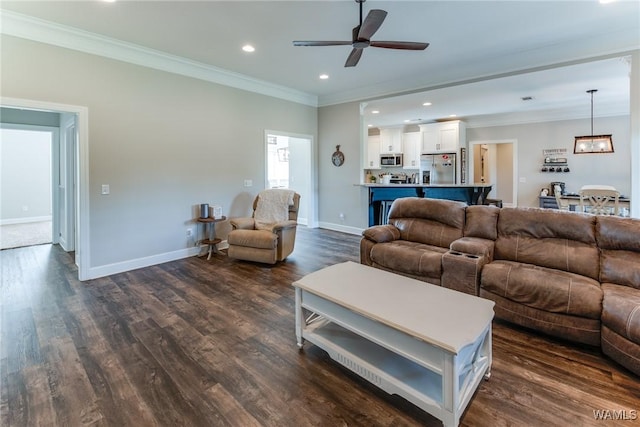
105,189
248,183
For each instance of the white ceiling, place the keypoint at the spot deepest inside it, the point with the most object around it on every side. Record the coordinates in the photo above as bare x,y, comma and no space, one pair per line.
470,41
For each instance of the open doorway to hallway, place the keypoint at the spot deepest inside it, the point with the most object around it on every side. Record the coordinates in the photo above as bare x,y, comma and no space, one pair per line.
289,162
495,162
72,125
26,185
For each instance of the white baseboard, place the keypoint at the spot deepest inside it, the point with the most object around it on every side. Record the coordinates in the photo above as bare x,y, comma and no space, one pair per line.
121,267
12,221
132,264
341,228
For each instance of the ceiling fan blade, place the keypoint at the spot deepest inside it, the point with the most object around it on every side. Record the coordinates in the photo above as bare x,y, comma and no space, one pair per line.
353,58
371,23
400,45
320,43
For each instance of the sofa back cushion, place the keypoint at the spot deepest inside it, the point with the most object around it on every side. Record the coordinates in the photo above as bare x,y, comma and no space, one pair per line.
549,238
619,242
430,221
482,221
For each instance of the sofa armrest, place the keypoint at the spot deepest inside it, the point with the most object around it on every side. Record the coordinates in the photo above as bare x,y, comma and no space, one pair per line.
283,225
474,246
242,223
461,272
382,233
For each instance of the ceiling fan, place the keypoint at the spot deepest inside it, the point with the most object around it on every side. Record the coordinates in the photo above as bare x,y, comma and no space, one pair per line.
361,37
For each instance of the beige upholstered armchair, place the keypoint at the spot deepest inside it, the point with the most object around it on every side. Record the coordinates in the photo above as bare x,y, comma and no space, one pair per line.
269,235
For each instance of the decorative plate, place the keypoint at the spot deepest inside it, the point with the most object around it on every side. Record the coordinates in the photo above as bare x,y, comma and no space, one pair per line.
337,158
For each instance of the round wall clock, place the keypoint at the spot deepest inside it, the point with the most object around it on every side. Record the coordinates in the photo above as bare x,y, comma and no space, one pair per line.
337,158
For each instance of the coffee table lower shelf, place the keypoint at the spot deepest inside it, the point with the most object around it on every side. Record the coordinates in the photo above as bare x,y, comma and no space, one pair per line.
381,367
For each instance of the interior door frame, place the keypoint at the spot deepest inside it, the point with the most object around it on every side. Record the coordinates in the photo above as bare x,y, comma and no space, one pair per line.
312,199
514,156
81,190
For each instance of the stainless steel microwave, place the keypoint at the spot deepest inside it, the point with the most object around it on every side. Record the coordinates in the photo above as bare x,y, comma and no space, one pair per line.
390,160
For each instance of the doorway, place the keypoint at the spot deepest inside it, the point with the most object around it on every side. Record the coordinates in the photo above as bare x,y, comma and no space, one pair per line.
76,176
27,167
289,159
495,162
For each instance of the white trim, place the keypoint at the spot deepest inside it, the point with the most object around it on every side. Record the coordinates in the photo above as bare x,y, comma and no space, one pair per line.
342,228
30,219
132,264
27,27
83,250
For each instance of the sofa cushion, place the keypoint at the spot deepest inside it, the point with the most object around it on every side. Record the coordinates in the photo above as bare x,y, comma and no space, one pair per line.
259,239
429,221
619,241
482,221
411,258
544,288
549,238
621,311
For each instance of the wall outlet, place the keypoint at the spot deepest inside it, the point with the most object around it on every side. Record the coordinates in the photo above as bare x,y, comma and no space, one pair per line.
189,232
25,208
341,216
105,189
248,183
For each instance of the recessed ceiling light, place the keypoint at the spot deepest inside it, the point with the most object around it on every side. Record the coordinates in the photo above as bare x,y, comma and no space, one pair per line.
453,115
407,121
324,76
248,48
375,112
370,126
426,104
109,1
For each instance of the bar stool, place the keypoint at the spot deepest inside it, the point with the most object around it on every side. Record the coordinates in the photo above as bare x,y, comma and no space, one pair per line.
385,206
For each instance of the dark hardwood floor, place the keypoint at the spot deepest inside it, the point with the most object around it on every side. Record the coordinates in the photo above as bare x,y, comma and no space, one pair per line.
212,343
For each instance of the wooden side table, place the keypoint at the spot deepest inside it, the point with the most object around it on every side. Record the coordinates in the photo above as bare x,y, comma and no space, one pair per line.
210,233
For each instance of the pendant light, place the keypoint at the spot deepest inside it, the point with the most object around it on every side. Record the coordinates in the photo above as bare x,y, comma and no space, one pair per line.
593,143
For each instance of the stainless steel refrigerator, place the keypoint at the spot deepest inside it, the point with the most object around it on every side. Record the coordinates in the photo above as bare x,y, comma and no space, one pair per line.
438,168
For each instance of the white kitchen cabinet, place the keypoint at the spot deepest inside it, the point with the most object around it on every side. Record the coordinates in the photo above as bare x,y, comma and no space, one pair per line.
445,137
411,145
391,141
429,135
373,152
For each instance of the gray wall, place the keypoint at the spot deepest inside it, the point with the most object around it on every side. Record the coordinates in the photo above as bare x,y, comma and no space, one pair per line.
164,143
610,169
340,125
29,117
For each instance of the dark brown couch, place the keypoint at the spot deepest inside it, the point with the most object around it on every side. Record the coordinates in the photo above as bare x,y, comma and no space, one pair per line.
570,275
418,233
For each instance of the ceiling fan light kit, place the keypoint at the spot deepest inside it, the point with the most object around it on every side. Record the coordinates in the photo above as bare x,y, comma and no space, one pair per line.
361,37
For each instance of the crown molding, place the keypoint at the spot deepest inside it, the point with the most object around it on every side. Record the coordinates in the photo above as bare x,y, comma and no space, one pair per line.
30,28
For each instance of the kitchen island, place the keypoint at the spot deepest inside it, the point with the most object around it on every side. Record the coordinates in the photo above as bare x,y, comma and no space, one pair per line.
382,195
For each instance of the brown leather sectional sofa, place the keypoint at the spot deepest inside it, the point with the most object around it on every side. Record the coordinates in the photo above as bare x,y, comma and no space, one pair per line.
570,275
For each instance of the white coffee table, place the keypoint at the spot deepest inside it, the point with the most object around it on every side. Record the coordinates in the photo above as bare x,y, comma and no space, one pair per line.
428,344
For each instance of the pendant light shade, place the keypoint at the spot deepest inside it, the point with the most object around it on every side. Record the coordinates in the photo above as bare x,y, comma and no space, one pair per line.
593,143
